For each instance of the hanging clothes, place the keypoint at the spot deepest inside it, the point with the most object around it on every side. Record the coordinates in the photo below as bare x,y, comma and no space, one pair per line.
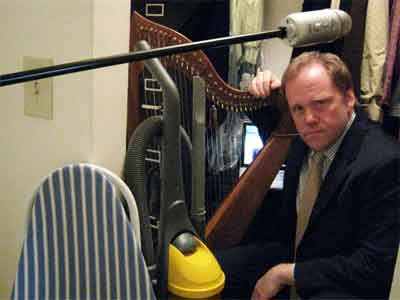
246,16
374,55
395,108
335,4
354,42
392,55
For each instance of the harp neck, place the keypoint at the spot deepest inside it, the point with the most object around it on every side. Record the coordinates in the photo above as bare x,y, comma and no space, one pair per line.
197,63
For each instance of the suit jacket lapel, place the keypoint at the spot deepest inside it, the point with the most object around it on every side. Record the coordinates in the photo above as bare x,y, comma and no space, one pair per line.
294,162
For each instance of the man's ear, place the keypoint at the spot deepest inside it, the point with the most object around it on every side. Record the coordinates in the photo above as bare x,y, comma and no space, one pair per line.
350,98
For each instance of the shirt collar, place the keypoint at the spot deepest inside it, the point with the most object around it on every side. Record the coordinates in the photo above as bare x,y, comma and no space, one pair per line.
331,151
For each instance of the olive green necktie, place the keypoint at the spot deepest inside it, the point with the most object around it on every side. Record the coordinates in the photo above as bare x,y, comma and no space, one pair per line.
307,200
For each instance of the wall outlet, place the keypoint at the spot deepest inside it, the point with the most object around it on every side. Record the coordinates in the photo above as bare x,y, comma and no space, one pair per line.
38,94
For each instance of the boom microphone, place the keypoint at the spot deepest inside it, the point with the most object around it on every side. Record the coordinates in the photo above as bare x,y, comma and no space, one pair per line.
300,29
315,27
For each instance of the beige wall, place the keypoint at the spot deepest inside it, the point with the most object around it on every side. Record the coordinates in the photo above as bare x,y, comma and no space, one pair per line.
89,107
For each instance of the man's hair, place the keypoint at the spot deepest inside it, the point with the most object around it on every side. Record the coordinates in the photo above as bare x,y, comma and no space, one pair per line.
334,66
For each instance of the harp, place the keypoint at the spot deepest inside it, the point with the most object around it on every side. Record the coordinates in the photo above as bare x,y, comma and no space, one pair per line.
228,224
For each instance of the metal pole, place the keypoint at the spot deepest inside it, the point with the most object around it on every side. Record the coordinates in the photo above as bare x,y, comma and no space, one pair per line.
89,64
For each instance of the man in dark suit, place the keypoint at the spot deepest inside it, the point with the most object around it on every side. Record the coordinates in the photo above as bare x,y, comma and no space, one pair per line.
347,245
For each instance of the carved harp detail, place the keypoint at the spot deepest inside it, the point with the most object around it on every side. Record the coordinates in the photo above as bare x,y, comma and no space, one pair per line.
228,224
195,63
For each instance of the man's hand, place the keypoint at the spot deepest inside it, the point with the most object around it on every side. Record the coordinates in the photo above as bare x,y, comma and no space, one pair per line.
273,281
263,84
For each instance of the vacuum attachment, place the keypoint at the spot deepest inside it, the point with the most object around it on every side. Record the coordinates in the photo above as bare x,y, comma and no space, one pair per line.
196,274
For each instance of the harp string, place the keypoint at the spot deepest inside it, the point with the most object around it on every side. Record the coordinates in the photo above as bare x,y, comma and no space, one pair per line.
218,181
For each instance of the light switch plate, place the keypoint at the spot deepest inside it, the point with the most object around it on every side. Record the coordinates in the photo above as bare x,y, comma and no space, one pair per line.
38,94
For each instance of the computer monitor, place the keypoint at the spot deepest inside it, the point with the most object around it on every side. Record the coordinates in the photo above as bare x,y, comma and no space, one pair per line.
251,145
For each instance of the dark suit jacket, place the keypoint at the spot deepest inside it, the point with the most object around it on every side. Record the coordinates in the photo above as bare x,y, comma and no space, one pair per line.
351,242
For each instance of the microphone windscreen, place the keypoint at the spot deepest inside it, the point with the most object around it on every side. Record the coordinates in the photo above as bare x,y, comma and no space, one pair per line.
315,27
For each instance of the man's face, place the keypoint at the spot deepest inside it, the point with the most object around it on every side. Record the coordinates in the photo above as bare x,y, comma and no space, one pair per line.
320,112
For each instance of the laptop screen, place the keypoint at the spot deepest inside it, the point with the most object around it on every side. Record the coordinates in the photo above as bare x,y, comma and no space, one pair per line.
252,144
